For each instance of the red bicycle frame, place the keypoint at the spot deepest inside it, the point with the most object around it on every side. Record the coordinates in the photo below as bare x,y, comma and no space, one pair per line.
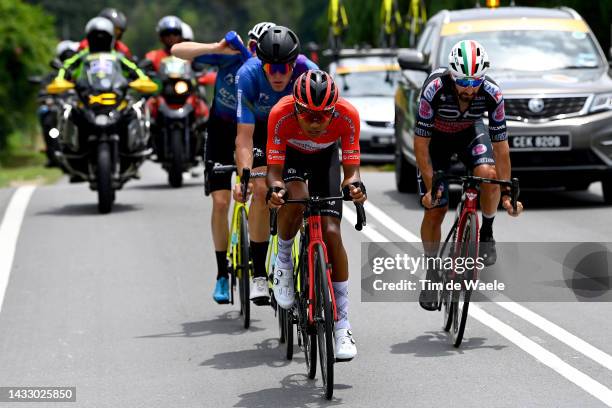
316,237
469,204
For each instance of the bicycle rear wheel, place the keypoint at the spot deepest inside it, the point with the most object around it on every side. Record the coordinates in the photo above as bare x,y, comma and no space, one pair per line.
468,242
325,322
244,267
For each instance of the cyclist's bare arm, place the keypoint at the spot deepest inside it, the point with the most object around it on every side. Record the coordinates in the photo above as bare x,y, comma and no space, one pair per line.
351,175
189,50
421,151
501,154
244,146
275,179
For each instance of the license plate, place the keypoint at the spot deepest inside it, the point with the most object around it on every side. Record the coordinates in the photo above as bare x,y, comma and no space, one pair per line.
382,140
540,143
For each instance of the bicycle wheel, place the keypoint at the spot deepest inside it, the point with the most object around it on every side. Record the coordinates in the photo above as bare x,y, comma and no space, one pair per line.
244,266
288,329
461,299
325,322
307,338
281,324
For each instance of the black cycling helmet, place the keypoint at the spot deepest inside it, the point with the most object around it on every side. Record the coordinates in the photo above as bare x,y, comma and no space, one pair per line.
315,90
116,17
278,45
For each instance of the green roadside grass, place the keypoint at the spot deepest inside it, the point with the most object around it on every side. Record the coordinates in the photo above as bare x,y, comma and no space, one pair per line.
25,166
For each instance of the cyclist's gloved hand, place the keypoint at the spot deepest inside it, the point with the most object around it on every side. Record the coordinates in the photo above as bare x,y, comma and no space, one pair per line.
275,196
355,191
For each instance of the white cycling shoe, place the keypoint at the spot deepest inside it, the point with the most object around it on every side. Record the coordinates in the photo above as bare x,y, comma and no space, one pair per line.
345,345
284,292
259,291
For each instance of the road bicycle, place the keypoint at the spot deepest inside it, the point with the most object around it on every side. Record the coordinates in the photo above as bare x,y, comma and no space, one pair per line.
238,255
415,20
314,311
390,22
337,20
463,241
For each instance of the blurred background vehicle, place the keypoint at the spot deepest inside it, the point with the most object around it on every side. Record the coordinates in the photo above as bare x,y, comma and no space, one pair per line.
367,79
556,84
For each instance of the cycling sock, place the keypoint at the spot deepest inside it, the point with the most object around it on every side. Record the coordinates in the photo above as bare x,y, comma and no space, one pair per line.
259,250
341,295
283,258
221,264
487,225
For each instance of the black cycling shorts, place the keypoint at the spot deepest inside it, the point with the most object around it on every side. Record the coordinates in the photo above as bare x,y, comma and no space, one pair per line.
260,140
322,169
473,147
220,144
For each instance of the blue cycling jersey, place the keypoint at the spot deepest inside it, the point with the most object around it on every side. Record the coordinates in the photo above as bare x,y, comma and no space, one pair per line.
255,95
224,104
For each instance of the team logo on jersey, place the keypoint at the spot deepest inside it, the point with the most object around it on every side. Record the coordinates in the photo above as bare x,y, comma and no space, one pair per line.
425,110
263,98
257,152
229,79
276,140
493,90
432,88
479,149
500,113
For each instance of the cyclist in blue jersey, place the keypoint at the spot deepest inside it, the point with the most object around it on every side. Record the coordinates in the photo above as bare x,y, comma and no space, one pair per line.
261,82
221,134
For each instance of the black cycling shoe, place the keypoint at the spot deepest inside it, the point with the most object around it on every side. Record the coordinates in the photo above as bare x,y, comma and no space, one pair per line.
428,298
487,250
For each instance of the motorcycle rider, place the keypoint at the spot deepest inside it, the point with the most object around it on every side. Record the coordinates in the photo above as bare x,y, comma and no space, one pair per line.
120,23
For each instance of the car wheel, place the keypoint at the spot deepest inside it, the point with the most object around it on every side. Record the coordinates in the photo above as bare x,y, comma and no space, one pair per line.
606,185
405,175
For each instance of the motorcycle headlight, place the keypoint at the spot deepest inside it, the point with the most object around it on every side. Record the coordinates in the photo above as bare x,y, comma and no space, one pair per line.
102,120
601,102
181,87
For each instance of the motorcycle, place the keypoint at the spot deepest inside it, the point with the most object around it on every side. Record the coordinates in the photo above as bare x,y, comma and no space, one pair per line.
178,136
104,128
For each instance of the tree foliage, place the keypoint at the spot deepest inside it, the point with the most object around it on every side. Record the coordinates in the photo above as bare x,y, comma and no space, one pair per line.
28,40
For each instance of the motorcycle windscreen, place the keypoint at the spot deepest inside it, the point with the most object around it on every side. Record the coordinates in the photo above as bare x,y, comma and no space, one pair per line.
173,67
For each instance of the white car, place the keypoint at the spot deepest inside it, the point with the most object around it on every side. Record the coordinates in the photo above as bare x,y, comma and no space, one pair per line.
368,79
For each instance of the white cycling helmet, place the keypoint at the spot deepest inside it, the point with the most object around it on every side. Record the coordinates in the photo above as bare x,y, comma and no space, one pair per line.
66,45
468,59
187,32
258,29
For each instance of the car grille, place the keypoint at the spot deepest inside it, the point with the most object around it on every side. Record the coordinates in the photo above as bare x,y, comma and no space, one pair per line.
379,124
519,108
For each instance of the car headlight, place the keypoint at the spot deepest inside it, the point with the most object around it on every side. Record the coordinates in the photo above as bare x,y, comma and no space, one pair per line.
181,87
601,102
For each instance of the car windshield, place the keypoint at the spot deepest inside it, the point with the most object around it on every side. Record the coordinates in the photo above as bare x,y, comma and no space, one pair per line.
366,83
531,50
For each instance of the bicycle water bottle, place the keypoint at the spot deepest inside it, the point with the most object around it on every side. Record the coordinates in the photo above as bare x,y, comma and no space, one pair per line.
233,40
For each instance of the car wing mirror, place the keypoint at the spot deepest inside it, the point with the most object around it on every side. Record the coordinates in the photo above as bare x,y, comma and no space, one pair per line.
412,59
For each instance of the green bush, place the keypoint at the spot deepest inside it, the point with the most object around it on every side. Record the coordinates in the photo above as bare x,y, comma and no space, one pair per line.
26,47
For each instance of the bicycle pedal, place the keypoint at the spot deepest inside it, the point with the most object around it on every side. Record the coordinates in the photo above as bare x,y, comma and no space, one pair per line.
263,301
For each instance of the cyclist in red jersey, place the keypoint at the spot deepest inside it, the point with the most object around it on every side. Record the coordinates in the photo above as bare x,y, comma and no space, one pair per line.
303,134
120,23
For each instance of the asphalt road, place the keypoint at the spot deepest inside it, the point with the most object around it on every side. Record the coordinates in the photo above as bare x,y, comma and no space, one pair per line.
120,307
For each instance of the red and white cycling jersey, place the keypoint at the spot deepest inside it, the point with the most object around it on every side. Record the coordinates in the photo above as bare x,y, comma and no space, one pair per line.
284,130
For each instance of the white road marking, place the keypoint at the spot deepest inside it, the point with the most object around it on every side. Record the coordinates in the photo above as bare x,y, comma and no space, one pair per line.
559,333
548,358
351,216
596,389
9,232
390,223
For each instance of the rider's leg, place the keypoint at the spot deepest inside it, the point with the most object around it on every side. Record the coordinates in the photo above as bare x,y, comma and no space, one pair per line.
489,198
289,221
259,226
220,230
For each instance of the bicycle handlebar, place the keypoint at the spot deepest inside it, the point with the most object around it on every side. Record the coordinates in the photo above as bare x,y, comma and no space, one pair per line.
361,216
439,176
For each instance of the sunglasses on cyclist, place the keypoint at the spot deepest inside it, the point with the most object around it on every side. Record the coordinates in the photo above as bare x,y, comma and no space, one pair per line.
280,68
469,82
313,116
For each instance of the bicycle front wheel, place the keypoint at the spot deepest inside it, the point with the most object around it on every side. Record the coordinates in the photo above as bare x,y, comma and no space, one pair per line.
468,244
245,268
324,318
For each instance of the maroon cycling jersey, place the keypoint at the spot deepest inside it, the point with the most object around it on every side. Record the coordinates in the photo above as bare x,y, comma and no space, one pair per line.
439,112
